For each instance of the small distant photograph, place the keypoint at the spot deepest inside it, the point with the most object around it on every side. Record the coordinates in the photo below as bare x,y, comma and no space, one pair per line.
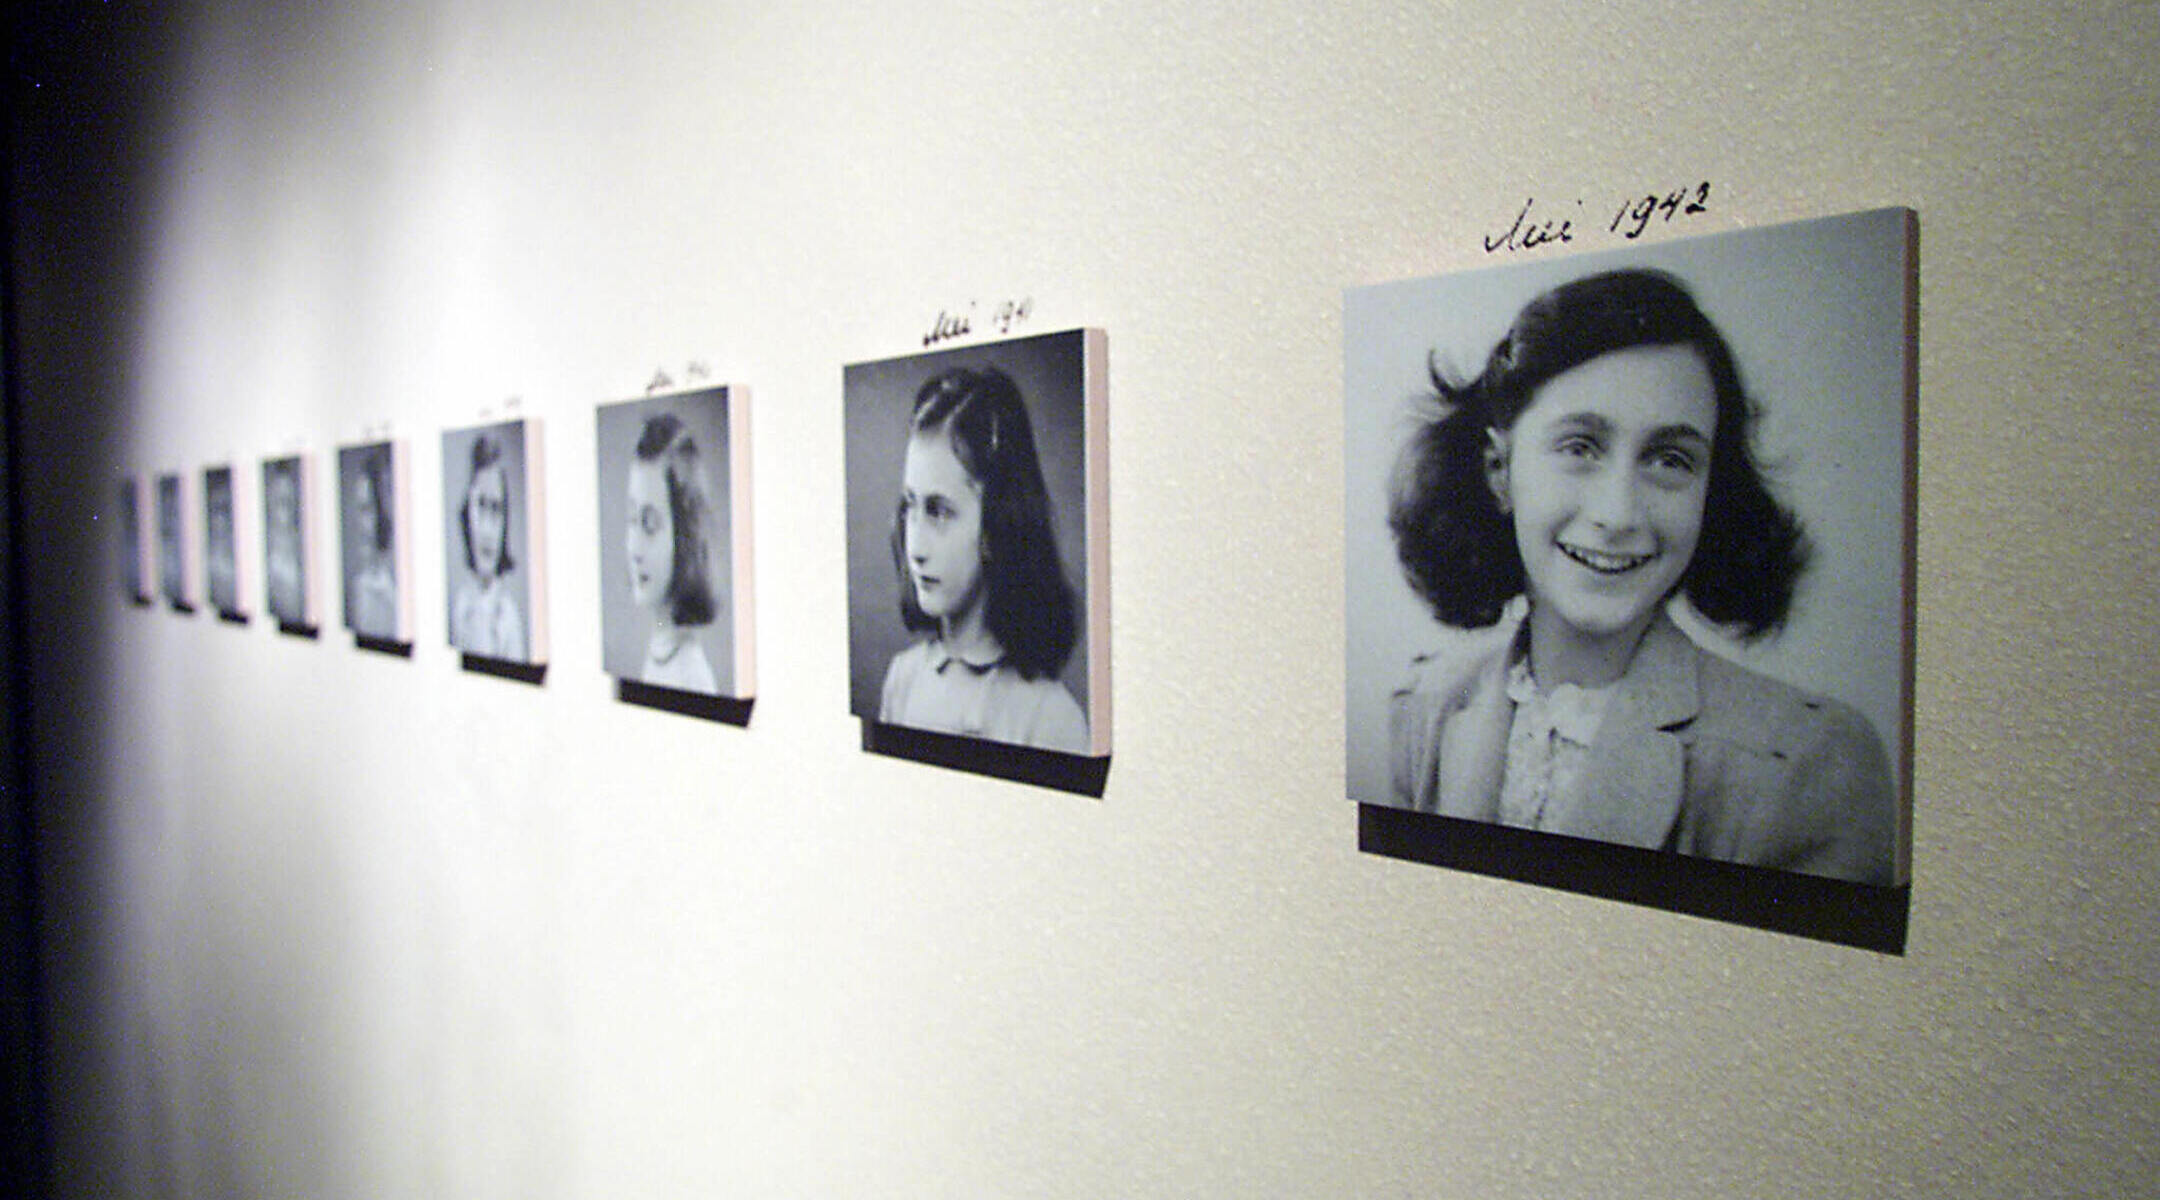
220,544
286,542
1627,546
172,542
978,594
674,493
371,526
491,539
134,580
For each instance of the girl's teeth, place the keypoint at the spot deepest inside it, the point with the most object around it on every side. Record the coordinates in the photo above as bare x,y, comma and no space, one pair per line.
1605,562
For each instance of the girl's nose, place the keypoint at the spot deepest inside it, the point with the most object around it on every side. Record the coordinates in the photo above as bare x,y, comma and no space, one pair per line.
1614,501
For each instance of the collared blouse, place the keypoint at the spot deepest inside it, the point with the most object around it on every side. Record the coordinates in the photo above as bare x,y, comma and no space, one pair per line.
927,687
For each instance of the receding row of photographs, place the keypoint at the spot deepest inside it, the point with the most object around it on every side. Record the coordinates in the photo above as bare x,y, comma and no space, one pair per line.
1628,549
660,485
978,546
222,561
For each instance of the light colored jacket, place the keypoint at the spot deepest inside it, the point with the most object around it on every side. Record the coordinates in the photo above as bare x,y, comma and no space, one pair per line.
1695,755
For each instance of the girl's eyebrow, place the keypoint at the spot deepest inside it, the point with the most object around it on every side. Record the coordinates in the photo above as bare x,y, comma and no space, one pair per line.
1665,434
1584,422
1599,424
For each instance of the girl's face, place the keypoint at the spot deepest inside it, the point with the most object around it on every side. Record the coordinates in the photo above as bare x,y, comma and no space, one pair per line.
368,507
649,541
487,513
284,506
941,521
1605,473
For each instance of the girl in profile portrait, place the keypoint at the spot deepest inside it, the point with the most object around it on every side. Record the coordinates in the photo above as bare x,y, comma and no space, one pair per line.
484,618
1598,467
979,574
283,545
220,551
371,586
669,554
172,556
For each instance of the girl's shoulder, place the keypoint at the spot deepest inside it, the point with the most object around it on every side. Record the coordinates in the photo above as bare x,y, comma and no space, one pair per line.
1052,719
1783,777
1446,674
908,663
1743,705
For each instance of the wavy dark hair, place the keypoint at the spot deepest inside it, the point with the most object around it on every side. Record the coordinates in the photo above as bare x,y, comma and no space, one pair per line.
486,452
1458,548
1028,605
666,440
374,465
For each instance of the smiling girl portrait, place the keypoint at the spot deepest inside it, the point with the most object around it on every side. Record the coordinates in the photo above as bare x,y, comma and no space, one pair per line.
967,551
491,531
372,539
285,542
1557,512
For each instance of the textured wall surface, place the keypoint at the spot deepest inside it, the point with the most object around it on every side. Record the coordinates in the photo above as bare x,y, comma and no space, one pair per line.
331,923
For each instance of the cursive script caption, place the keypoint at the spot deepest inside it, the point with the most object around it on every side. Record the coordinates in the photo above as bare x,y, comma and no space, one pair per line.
1534,227
958,323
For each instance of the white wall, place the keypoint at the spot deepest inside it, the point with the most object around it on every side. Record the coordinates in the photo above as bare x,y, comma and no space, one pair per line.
330,923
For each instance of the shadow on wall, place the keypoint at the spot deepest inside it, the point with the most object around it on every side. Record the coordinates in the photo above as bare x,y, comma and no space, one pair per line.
84,103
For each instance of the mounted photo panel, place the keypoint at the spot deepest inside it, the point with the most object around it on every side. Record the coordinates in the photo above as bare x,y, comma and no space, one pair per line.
174,563
676,593
493,542
221,543
289,542
134,557
978,542
1628,543
375,541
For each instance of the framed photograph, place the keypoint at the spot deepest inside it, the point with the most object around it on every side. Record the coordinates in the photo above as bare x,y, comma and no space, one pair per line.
134,562
173,565
675,565
288,542
1628,545
978,542
493,542
221,553
375,540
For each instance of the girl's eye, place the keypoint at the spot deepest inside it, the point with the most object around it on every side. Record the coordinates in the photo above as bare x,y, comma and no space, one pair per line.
1672,466
1576,446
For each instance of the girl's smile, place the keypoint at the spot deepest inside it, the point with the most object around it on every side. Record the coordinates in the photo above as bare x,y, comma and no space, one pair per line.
1605,474
1605,564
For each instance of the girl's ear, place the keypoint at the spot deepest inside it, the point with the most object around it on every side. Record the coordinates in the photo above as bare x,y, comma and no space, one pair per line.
1496,466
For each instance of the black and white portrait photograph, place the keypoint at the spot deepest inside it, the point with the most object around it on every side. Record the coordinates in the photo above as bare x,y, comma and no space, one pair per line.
287,542
172,536
1627,550
673,478
221,557
491,538
977,542
134,577
372,538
